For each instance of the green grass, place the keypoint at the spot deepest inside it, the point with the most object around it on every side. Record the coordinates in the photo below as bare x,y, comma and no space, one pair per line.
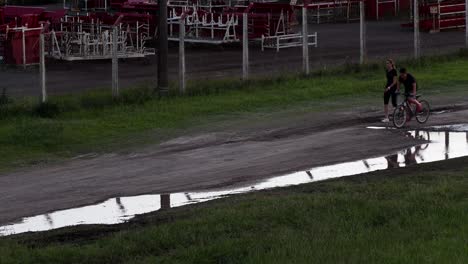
408,215
93,121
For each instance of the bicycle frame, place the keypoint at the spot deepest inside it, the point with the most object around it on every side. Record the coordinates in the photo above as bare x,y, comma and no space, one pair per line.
409,109
407,105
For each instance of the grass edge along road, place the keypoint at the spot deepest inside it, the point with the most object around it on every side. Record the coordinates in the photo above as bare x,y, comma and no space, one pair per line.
408,215
93,121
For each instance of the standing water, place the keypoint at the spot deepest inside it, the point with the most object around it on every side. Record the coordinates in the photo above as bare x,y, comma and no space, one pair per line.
441,145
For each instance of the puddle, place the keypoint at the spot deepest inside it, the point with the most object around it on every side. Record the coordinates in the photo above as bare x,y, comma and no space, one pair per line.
443,146
441,112
457,128
380,127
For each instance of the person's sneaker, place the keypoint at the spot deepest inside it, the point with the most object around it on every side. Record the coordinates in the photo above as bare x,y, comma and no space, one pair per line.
385,120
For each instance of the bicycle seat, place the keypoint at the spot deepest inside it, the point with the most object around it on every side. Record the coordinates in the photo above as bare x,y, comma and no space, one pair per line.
418,95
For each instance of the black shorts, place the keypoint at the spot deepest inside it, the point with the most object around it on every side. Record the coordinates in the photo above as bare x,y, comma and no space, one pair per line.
391,93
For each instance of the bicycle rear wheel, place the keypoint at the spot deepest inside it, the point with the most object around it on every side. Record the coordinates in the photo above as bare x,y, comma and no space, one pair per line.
399,116
423,115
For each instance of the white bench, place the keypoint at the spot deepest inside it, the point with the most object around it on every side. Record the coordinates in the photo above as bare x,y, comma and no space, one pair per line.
287,41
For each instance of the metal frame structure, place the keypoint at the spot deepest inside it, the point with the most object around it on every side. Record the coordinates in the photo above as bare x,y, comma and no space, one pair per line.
332,10
80,40
3,38
288,41
25,49
204,27
378,3
451,14
278,26
441,15
74,5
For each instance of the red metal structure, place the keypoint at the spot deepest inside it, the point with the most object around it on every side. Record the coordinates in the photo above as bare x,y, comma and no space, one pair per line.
443,15
17,38
381,8
19,34
3,27
439,15
218,22
269,19
206,21
81,36
331,10
348,10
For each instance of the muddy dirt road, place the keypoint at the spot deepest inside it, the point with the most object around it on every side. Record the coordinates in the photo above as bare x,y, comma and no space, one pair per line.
338,43
205,160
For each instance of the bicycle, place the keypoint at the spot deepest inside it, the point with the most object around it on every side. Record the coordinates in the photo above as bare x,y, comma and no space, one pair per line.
405,111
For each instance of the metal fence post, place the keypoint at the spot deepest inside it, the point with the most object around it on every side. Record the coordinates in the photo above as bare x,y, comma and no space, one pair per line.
42,69
466,24
417,41
115,64
24,46
362,36
305,42
245,47
182,55
163,49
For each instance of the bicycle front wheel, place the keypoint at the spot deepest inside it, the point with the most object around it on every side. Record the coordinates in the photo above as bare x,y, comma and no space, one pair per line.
399,116
423,115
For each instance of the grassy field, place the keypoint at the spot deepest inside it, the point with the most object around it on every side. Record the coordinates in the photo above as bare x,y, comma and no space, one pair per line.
408,215
94,122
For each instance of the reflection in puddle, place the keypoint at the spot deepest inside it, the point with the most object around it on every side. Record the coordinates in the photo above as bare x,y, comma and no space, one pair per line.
380,127
443,146
453,128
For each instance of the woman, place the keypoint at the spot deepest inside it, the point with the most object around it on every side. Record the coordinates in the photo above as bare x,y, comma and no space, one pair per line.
391,87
